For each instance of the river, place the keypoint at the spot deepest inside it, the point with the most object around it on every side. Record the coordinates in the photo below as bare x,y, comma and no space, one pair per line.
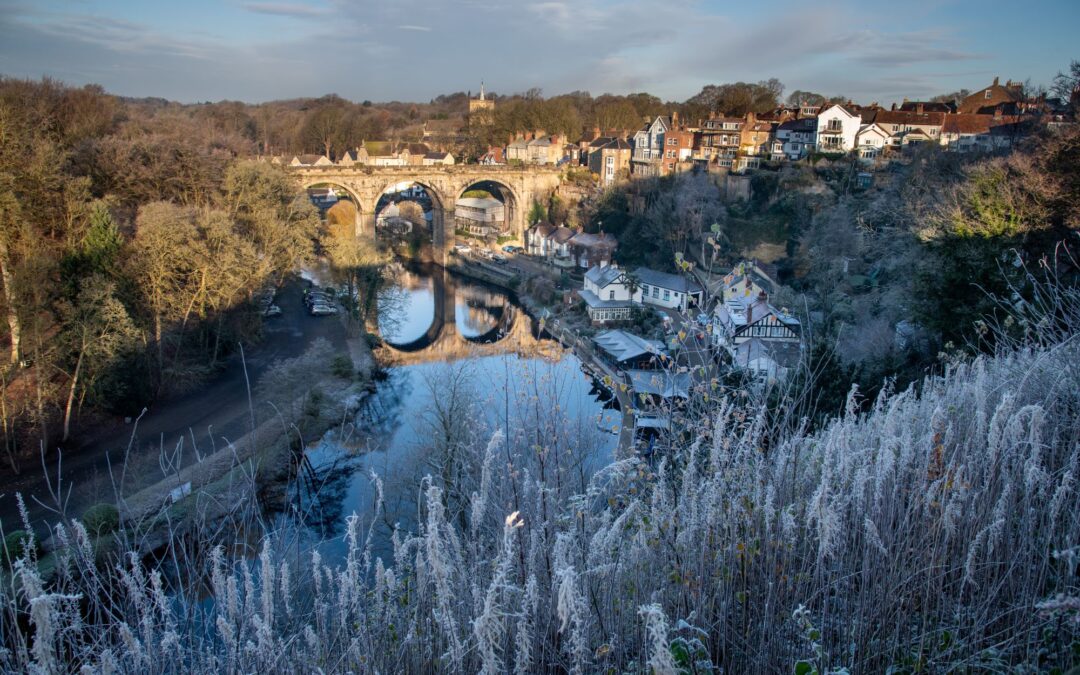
463,361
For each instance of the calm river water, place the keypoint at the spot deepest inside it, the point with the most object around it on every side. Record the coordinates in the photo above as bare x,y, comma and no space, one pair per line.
464,355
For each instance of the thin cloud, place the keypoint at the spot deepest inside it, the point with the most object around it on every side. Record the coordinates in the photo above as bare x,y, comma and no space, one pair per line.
292,10
423,29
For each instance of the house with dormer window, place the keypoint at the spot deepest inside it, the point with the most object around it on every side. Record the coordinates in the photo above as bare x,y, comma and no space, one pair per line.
756,336
647,159
608,294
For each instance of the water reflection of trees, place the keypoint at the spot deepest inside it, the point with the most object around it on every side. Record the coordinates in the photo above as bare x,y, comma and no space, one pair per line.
392,300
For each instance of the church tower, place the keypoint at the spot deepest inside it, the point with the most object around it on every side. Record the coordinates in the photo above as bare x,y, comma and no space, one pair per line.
481,110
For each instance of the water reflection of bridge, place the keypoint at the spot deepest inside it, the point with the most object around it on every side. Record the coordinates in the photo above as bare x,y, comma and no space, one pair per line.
492,325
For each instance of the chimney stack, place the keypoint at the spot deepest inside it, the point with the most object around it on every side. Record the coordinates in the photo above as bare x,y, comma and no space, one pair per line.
919,108
893,108
995,81
674,119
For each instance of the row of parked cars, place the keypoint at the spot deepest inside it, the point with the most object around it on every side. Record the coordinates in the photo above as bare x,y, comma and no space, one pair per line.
486,253
320,301
266,302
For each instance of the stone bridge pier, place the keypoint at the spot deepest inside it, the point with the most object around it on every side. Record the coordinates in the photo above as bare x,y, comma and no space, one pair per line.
519,188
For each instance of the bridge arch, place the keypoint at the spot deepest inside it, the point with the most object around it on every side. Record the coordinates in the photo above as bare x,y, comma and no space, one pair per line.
502,192
438,205
351,195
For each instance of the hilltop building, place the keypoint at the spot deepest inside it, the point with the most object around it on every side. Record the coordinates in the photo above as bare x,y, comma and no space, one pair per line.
481,110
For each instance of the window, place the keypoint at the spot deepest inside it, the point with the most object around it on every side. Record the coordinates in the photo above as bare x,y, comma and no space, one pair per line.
987,95
611,295
667,295
656,292
835,125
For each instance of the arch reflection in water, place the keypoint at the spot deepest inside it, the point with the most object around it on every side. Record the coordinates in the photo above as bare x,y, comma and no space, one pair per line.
527,387
426,309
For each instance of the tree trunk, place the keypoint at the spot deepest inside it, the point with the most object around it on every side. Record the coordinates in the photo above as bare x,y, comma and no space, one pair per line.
9,426
71,398
14,326
157,339
40,400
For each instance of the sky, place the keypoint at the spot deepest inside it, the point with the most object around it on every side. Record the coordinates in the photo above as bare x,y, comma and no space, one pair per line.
414,50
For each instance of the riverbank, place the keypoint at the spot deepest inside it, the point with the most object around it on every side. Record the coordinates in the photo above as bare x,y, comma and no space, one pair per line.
253,471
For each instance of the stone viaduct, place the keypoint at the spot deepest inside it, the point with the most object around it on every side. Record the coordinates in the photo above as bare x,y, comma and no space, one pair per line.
519,188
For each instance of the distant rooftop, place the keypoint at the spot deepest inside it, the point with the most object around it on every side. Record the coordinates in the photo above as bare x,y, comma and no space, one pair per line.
623,346
674,282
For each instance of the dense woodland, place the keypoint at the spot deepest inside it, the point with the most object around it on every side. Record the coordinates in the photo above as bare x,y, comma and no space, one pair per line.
131,246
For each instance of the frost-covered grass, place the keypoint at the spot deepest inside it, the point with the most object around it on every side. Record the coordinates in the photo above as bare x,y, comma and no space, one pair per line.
939,531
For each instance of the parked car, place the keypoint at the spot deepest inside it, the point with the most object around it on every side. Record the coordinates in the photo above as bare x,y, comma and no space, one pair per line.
272,311
485,253
322,310
462,249
509,249
318,296
500,259
703,319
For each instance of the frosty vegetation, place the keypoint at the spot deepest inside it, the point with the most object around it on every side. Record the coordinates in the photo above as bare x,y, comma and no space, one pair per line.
937,531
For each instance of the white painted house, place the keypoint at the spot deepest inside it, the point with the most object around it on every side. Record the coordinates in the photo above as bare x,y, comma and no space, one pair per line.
607,295
871,141
837,127
672,291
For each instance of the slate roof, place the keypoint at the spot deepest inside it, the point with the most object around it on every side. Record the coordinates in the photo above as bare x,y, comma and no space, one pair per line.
674,282
623,346
542,229
591,240
602,276
607,143
928,106
594,302
562,234
660,383
805,124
